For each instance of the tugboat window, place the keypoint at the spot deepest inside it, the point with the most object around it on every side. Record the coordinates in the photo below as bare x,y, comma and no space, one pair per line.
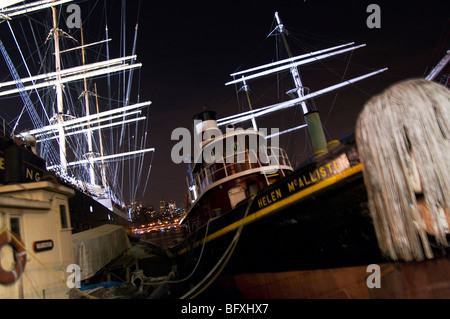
63,215
236,195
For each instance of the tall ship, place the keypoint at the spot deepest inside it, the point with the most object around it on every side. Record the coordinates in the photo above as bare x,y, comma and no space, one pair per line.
367,211
81,120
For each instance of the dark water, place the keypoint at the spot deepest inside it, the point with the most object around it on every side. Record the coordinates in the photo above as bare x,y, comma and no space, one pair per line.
165,238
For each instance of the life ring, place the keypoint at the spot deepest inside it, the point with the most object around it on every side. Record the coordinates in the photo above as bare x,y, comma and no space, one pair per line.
9,277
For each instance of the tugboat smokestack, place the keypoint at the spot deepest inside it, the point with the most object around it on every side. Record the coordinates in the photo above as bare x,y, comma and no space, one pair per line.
205,121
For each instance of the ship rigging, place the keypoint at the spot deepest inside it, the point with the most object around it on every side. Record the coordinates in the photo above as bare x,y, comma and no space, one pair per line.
91,135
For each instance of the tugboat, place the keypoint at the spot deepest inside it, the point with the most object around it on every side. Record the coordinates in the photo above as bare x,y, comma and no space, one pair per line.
259,228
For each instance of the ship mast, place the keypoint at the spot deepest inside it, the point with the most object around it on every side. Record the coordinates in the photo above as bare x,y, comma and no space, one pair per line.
312,117
245,88
90,153
101,142
59,94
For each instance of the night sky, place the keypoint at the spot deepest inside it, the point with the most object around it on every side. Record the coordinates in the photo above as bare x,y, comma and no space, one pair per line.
189,48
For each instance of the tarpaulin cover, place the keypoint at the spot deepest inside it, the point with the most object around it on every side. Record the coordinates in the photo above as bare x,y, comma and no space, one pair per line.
93,249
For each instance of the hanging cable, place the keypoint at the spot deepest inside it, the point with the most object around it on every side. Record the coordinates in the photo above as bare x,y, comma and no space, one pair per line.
223,261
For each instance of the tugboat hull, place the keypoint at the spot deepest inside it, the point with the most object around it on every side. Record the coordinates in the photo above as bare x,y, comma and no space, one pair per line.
316,243
315,218
332,230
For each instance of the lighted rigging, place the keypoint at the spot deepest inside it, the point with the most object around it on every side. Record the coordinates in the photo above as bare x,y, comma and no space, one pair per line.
65,126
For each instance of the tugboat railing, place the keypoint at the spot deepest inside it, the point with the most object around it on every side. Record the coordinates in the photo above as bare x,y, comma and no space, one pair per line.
226,167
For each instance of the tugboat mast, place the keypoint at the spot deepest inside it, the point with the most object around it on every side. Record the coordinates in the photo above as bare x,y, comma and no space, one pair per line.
312,117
